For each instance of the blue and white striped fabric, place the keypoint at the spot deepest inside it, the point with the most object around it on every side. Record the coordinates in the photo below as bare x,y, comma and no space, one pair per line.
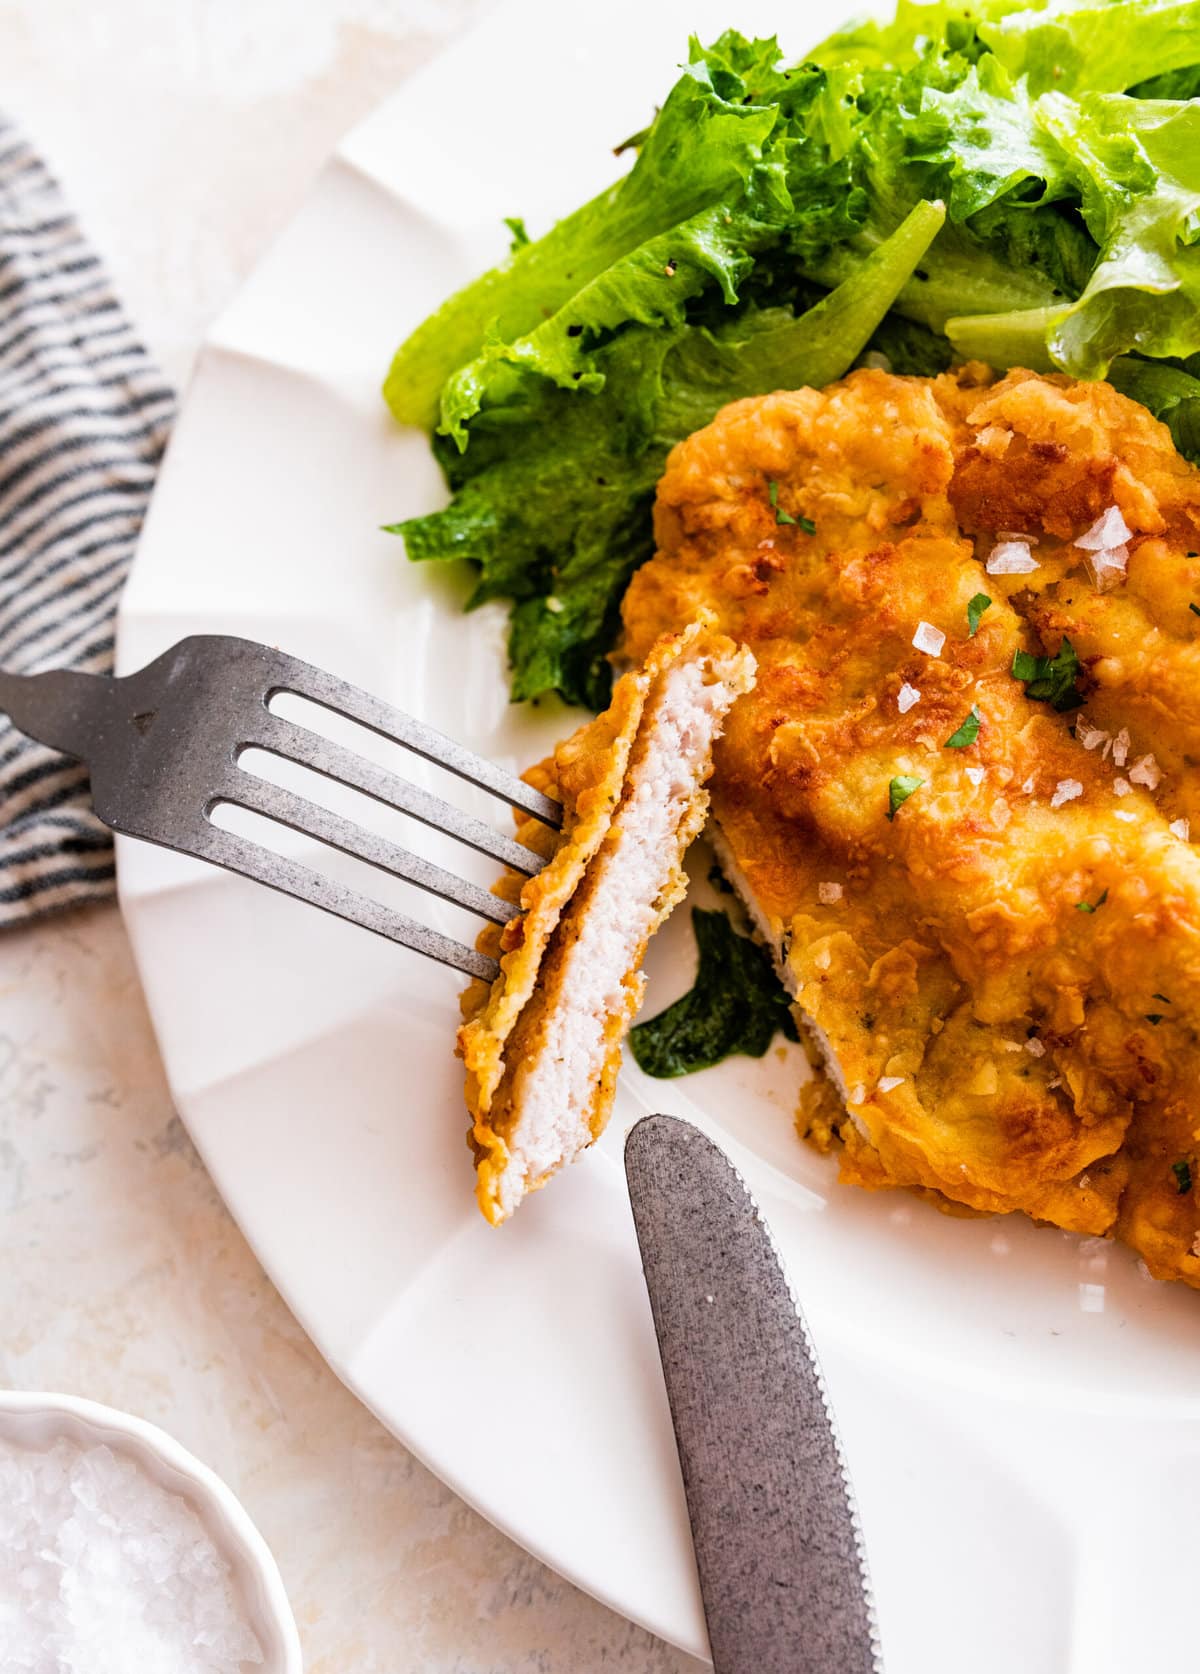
84,416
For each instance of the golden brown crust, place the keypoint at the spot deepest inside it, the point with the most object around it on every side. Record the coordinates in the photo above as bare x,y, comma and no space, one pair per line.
1018,1028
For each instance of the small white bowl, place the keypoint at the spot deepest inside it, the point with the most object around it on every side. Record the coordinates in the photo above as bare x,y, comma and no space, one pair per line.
38,1421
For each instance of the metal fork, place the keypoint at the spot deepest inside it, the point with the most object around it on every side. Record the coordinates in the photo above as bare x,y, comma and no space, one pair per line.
163,746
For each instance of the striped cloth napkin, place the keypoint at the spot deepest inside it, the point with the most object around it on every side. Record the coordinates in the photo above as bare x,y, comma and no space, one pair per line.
84,417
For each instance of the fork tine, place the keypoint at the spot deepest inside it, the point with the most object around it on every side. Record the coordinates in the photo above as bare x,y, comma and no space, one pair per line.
239,854
379,717
261,797
295,743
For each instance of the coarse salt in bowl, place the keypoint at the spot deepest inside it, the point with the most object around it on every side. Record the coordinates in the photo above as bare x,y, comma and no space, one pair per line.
78,1462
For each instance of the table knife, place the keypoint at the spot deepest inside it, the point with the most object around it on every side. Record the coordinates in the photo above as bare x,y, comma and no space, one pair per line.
778,1543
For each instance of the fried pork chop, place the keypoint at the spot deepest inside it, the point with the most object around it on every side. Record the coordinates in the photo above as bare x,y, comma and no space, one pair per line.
986,907
542,1046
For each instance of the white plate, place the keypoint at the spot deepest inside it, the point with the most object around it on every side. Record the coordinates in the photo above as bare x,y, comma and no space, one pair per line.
1020,1411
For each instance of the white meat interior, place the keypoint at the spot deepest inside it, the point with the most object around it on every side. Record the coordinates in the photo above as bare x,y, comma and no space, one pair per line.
616,909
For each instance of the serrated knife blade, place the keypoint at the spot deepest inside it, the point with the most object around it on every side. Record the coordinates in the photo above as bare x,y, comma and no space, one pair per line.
778,1543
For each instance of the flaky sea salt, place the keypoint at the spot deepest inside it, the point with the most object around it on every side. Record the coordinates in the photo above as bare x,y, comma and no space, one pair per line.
1066,790
1105,548
1089,736
887,1083
829,893
1122,787
1107,565
1011,558
906,697
102,1571
1034,1047
1121,747
1145,771
1110,529
929,639
1181,829
975,775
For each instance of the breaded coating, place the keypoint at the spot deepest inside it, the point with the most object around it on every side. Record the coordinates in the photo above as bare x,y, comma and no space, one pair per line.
543,1045
1003,975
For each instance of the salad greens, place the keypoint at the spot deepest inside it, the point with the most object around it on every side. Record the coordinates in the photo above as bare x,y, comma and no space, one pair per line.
1018,184
735,1005
552,495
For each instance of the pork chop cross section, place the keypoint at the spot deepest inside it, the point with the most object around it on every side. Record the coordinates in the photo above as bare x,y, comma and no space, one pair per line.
562,1051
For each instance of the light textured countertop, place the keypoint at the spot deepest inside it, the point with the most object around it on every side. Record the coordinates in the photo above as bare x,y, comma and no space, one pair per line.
185,133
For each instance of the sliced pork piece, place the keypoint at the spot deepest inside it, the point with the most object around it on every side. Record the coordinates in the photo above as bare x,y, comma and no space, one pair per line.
543,1049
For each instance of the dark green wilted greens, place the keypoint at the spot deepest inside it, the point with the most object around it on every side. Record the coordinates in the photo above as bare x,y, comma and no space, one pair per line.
781,219
735,1005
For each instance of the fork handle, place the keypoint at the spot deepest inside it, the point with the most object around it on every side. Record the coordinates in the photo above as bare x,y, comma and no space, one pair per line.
61,708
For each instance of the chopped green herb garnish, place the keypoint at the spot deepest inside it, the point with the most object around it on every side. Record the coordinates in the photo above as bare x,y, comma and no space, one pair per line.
1154,1017
1090,906
807,524
975,609
737,1004
1182,1171
1195,609
1050,679
780,515
516,227
899,791
965,734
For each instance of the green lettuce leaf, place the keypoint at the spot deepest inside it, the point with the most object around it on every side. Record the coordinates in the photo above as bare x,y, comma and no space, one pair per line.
1171,394
552,497
1173,84
772,349
957,131
699,146
651,286
1094,48
979,141
1136,166
1139,168
795,201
